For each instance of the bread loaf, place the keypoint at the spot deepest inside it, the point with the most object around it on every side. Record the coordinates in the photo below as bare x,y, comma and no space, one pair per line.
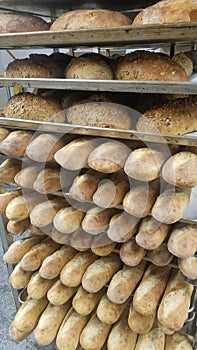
33,107
80,240
124,282
73,271
185,62
68,220
140,199
13,22
110,192
18,249
180,169
3,133
176,117
49,323
122,227
43,213
108,157
38,286
59,294
102,245
109,312
97,220
85,185
26,176
16,142
8,169
131,253
150,289
144,164
18,227
86,19
188,267
140,324
151,233
6,197
174,306
19,277
160,256
16,334
84,302
183,240
167,11
59,237
170,205
100,272
155,338
48,181
178,341
75,154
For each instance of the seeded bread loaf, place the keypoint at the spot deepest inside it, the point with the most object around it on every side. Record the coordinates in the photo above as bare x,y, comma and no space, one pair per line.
15,22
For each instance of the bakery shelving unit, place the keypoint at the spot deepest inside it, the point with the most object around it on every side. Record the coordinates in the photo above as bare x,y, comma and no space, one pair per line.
106,38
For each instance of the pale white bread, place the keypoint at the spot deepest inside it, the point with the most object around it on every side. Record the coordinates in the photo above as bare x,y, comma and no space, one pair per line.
183,240
89,19
16,22
26,176
68,220
16,142
48,181
168,11
188,267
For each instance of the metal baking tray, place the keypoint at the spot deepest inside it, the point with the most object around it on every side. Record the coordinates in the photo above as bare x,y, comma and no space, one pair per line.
158,87
103,37
64,128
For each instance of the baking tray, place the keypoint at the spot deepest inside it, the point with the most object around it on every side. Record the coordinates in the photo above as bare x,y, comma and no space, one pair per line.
103,37
189,87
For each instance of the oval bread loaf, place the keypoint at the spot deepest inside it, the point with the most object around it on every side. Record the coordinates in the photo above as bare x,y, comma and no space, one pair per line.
178,341
84,302
109,312
19,248
155,338
8,169
38,287
19,278
6,197
44,213
160,256
183,240
48,181
16,142
188,267
59,294
80,240
16,334
97,220
122,227
131,253
139,323
68,220
17,227
21,22
3,133
102,245
27,176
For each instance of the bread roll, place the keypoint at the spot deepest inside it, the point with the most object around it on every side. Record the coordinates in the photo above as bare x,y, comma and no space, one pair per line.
8,169
80,240
6,197
183,240
109,312
18,249
19,278
49,323
139,323
170,205
178,341
124,282
21,22
131,253
140,199
72,273
84,302
75,154
144,164
16,334
146,65
70,330
59,294
174,306
151,233
108,157
181,117
38,287
100,272
111,192
150,289
68,220
33,259
43,213
53,264
188,267
48,181
26,177
85,185
29,313
3,133
34,107
180,169
154,339
97,220
94,334
160,256
167,12
121,336
102,245
17,209
18,227
16,142
86,19
122,227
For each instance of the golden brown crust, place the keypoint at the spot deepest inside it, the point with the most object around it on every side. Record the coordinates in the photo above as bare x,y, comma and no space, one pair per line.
21,22
86,19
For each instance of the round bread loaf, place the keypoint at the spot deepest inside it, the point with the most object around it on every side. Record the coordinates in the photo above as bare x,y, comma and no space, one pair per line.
16,22
145,65
33,107
168,11
185,62
86,19
88,67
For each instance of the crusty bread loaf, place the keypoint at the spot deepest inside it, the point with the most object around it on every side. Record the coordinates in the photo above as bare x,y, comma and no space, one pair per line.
86,19
8,169
43,213
84,302
59,294
102,245
174,306
68,220
160,256
183,240
16,22
19,278
188,267
131,253
38,286
33,107
176,117
185,62
26,176
97,220
168,11
151,233
122,227
88,67
6,197
48,181
16,227
16,142
180,169
155,338
178,341
139,323
109,312
80,240
3,133
19,248
57,236
16,334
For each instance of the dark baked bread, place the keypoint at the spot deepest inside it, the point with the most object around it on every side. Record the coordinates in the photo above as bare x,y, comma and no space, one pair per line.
16,22
86,19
